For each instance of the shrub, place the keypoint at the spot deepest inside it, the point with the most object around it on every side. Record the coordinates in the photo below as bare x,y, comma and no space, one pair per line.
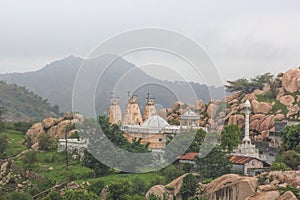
189,186
18,195
30,158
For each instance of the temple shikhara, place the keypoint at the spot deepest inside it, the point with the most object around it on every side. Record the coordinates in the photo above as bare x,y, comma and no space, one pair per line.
151,127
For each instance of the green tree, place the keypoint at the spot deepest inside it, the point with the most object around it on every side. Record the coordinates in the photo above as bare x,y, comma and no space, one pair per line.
138,186
171,172
119,190
91,162
80,195
230,137
53,196
18,195
3,143
216,163
45,141
189,186
290,158
247,86
290,138
1,123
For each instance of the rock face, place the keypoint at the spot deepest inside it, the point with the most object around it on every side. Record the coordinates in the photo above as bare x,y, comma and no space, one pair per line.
237,120
212,110
56,128
160,190
287,195
291,80
261,107
229,187
287,100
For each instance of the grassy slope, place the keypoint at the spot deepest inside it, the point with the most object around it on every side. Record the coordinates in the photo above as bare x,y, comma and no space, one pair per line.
14,138
76,170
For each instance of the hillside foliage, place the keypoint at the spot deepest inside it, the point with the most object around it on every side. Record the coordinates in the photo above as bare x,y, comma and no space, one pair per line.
20,104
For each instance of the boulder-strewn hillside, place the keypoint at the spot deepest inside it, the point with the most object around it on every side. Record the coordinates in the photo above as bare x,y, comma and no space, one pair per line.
56,128
278,101
271,185
56,80
19,104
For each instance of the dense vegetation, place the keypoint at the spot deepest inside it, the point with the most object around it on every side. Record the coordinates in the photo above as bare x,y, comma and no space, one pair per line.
20,104
289,158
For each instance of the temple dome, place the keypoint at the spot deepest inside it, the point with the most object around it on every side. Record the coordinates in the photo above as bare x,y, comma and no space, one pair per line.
190,113
155,121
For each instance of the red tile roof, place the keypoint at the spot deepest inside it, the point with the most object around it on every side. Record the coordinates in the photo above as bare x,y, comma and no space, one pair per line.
188,156
241,159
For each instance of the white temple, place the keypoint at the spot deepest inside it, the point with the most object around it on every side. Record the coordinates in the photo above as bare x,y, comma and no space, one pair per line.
247,149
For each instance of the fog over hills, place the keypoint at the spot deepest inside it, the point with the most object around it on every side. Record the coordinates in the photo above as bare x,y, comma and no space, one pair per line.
55,82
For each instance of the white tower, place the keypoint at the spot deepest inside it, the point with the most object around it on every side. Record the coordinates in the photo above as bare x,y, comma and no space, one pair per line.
246,148
247,107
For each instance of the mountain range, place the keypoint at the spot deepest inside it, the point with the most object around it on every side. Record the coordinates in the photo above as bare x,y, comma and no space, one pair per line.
56,81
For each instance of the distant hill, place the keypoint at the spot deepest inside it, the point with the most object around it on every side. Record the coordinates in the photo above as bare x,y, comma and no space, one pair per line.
19,104
55,82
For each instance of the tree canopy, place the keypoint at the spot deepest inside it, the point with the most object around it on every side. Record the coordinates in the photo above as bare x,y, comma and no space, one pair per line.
247,86
230,137
290,138
216,163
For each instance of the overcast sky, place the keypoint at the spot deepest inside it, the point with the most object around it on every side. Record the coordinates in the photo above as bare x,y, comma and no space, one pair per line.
243,38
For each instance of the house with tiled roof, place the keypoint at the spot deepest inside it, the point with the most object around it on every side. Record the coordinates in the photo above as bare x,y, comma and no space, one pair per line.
188,158
247,165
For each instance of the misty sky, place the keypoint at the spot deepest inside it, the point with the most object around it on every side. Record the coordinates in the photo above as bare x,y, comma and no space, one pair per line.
243,38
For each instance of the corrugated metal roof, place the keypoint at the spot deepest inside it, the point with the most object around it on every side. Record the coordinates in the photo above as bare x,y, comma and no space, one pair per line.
188,156
241,159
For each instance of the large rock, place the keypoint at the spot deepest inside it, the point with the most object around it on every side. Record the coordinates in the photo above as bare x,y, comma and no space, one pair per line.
33,133
249,97
270,195
49,122
292,111
287,195
159,191
237,120
279,117
287,100
212,110
231,187
291,80
79,117
267,123
62,128
177,105
200,106
261,107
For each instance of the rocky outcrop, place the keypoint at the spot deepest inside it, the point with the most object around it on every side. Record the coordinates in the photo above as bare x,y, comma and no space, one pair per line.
288,195
200,106
229,187
291,80
212,110
55,128
161,190
237,120
287,100
261,107
235,187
